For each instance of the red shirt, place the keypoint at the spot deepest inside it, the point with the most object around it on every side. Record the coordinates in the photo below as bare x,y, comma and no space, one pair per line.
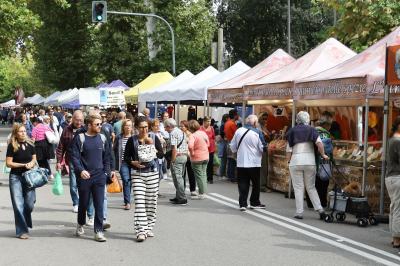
230,128
211,137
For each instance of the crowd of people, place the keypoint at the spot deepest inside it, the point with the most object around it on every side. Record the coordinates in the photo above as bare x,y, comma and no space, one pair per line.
97,147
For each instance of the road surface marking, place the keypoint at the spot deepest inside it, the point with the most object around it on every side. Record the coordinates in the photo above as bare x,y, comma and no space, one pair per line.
218,198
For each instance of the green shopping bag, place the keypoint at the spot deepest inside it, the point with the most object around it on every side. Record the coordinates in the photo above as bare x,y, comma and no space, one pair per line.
217,160
58,188
6,170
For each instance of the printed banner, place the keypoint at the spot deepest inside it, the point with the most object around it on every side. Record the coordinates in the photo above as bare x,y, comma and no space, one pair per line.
393,65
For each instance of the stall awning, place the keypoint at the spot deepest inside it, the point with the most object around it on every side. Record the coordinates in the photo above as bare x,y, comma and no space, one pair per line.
360,76
280,84
82,96
153,80
51,98
232,90
182,92
199,91
155,94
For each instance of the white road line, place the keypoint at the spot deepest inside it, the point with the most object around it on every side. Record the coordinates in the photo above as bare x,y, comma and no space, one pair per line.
212,196
318,230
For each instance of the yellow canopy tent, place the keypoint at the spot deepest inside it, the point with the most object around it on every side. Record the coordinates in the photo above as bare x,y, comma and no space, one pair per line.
152,81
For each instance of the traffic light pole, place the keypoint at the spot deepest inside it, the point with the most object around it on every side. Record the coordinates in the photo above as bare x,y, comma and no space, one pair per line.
154,16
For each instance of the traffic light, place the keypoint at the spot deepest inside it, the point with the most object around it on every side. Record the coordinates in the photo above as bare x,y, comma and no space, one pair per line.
99,11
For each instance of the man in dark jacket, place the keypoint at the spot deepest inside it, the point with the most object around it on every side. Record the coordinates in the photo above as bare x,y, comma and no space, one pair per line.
91,158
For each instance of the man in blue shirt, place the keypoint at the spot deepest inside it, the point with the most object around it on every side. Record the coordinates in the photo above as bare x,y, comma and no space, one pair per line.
91,157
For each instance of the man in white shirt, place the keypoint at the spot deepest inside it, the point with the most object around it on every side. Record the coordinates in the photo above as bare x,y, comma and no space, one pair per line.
247,144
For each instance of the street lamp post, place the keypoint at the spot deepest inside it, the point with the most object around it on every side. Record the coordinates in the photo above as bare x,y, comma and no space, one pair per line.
154,16
288,29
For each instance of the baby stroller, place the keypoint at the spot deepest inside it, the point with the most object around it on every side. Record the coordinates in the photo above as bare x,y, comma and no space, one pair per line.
340,203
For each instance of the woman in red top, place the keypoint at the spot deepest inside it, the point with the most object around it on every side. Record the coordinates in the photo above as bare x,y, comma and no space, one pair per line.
209,130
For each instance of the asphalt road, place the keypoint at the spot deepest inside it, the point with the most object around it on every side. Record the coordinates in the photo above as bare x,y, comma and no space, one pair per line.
207,232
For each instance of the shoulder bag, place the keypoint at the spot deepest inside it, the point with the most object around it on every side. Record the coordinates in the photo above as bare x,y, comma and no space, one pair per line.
230,153
36,177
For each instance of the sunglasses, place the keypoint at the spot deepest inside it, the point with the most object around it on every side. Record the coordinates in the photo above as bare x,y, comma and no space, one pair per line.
97,125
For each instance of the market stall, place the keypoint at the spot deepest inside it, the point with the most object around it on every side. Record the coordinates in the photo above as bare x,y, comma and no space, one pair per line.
152,81
273,94
357,82
52,97
231,91
80,97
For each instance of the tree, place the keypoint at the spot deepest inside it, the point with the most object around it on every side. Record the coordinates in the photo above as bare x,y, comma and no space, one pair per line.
254,29
17,22
15,72
62,43
362,23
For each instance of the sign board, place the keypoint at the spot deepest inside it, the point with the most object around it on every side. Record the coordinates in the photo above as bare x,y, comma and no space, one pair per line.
393,65
112,97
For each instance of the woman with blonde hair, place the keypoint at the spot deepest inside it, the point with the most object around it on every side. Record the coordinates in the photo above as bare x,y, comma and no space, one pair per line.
198,148
120,164
21,157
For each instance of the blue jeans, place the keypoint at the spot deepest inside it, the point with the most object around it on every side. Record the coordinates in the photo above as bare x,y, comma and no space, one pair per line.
23,201
231,169
222,156
73,190
125,172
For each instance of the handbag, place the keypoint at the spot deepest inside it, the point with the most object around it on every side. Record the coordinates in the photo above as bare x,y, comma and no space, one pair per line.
57,188
52,137
147,153
115,186
325,170
6,170
36,177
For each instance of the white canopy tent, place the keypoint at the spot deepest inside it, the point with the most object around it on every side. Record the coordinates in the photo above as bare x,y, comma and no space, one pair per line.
51,98
180,93
199,91
37,99
154,94
10,103
82,96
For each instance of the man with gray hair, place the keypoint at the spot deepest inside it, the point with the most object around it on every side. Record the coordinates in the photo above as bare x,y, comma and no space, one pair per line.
178,157
247,144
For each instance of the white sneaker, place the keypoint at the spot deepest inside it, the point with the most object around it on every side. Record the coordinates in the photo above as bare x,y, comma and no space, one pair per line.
197,197
99,237
169,173
90,222
141,238
79,230
75,209
194,193
202,196
165,176
150,234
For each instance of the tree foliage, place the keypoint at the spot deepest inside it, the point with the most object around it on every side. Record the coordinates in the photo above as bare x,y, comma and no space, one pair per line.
16,24
362,23
254,29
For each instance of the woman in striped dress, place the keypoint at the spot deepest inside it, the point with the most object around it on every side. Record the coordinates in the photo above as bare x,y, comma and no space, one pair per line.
120,164
145,180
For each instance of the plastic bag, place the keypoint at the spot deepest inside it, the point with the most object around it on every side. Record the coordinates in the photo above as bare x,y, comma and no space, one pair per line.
6,170
58,188
217,160
115,186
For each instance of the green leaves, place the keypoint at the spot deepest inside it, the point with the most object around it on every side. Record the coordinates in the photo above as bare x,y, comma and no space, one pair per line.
362,23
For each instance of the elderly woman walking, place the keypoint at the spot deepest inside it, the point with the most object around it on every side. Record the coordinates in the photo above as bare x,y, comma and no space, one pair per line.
198,149
393,183
301,157
21,157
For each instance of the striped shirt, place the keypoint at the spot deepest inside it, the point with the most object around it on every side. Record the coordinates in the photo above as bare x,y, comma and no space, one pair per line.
39,132
124,141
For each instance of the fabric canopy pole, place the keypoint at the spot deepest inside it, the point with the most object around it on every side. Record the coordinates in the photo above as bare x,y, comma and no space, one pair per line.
243,111
384,148
365,162
156,111
177,111
293,124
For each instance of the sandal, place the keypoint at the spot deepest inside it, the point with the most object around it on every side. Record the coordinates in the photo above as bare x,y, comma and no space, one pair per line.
127,207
